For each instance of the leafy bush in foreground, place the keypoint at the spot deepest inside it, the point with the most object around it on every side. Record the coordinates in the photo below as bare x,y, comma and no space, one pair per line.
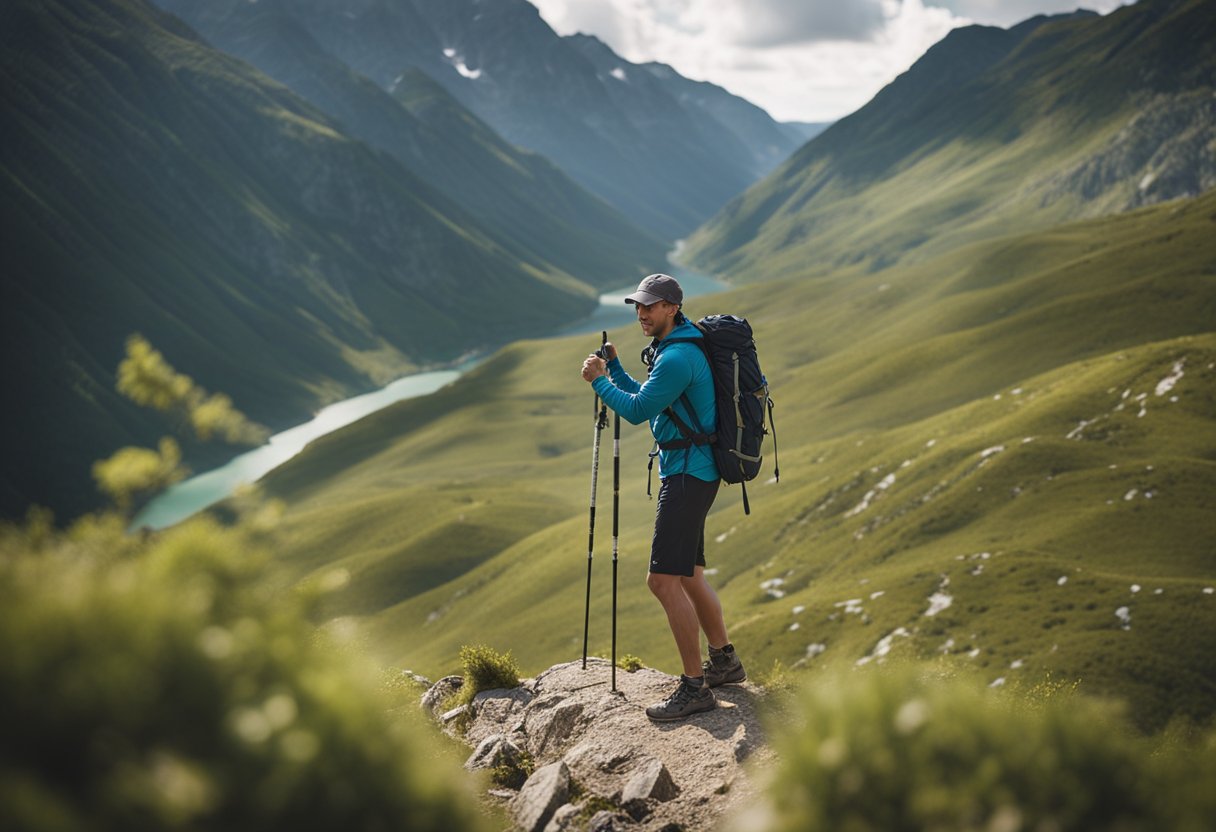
895,750
157,685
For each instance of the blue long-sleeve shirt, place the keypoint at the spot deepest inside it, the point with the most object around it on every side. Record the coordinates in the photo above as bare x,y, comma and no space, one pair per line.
678,368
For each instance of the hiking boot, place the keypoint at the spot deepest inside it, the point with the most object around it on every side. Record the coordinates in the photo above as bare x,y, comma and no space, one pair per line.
689,698
723,667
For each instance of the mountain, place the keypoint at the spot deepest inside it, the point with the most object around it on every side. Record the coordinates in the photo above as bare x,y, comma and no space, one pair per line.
998,459
152,184
804,131
769,142
991,130
533,209
606,122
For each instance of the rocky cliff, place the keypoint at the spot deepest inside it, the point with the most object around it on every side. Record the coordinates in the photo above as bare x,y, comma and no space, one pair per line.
567,752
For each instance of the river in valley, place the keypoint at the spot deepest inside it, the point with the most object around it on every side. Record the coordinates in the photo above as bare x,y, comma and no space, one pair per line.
197,493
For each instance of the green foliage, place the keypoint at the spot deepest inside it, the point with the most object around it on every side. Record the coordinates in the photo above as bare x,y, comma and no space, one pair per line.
629,663
156,683
485,669
146,378
214,416
132,472
593,804
1046,690
513,773
897,750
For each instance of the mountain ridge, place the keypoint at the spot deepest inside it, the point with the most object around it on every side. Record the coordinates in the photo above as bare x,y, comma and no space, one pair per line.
537,90
1058,118
511,192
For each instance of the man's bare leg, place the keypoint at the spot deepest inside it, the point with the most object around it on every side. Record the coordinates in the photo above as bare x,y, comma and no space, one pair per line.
682,617
707,606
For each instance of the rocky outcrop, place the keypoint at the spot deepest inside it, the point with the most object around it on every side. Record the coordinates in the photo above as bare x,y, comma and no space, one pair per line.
1162,153
588,758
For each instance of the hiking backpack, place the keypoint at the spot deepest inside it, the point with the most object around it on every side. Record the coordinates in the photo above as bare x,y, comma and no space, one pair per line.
742,398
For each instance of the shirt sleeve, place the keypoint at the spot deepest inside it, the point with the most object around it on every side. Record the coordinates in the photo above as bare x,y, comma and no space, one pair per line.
669,377
621,377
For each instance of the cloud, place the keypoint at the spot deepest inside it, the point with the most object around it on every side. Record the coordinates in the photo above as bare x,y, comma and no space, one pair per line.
802,60
603,19
1009,12
765,23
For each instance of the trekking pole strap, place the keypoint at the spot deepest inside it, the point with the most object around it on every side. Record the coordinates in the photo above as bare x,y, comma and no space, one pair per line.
773,429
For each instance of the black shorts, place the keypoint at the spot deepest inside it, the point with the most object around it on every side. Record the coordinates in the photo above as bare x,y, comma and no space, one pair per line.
679,524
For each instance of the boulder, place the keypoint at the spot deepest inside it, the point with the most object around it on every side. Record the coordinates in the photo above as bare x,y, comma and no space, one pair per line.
650,781
497,710
546,790
564,819
439,693
550,722
495,750
449,716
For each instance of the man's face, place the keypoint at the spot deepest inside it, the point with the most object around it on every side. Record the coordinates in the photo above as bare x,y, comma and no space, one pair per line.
657,319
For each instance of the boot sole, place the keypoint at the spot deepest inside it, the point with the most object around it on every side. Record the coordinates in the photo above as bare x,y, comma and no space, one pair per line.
678,717
738,681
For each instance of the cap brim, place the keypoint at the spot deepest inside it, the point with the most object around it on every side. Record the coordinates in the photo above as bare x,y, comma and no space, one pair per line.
644,298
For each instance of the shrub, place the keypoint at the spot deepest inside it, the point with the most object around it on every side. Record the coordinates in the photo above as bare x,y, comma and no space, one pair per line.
485,669
629,663
895,750
159,685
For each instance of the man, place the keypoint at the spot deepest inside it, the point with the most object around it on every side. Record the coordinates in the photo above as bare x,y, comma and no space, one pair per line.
679,377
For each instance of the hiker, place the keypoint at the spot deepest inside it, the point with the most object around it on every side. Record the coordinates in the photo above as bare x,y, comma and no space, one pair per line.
689,480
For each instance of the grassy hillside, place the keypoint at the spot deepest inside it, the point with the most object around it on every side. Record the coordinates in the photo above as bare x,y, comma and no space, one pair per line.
992,130
1003,457
152,184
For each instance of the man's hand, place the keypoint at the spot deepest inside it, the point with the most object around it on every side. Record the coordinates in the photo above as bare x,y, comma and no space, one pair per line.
594,367
608,351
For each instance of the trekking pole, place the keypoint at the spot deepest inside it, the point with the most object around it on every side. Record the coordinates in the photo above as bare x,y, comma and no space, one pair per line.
616,516
601,421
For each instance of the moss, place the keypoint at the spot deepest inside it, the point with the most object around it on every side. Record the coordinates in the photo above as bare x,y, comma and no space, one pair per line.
513,774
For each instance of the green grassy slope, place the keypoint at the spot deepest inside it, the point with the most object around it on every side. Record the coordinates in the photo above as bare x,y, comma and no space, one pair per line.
1027,426
151,184
991,131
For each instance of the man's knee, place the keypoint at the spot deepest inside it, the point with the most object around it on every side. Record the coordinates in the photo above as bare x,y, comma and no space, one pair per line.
662,585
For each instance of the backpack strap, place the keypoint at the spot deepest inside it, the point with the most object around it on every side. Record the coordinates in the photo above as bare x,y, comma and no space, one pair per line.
691,437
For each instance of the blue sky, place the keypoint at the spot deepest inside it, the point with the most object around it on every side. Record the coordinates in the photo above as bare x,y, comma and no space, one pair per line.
802,60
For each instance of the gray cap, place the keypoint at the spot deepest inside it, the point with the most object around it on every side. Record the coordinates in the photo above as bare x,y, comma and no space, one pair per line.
655,288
